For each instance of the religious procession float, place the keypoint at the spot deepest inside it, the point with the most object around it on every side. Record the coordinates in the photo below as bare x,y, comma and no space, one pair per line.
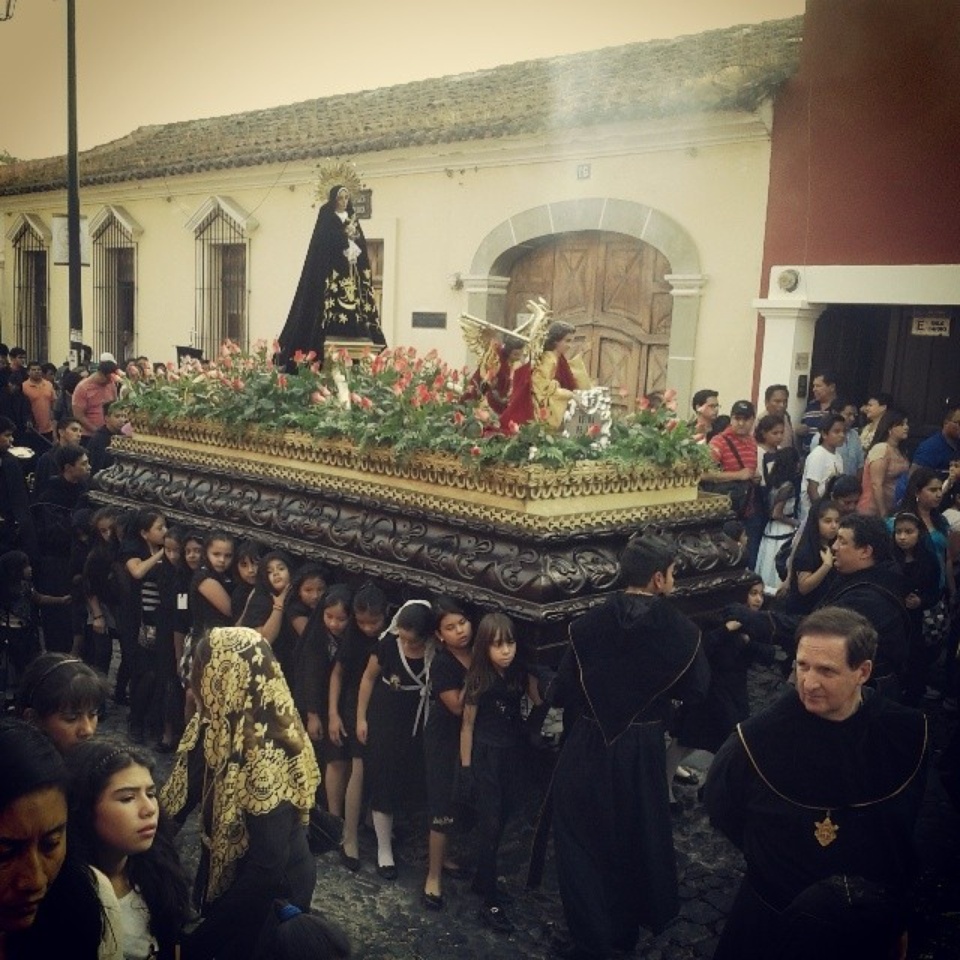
389,465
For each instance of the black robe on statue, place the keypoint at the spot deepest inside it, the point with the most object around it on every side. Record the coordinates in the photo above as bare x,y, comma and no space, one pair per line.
334,299
612,833
824,813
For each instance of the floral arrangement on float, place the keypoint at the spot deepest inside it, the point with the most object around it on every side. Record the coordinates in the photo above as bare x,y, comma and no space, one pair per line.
396,401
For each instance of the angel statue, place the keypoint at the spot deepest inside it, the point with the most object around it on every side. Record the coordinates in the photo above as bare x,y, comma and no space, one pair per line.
499,351
545,384
334,299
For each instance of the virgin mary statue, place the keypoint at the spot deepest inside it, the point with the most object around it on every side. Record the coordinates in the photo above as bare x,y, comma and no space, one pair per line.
334,299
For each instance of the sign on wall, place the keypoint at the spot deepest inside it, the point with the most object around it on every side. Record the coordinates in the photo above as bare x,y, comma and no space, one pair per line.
59,244
931,323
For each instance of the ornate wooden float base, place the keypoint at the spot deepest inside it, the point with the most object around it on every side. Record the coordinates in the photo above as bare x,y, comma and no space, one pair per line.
539,544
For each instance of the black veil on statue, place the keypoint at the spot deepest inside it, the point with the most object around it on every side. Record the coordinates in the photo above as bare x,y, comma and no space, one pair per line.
334,299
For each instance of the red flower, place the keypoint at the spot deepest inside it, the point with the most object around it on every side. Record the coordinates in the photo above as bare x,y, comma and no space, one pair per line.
282,381
299,356
474,451
513,428
593,430
458,418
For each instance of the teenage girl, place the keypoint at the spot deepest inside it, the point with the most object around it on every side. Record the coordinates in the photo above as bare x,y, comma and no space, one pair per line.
441,739
265,610
320,644
169,578
211,586
245,563
369,610
101,590
491,750
392,707
922,498
309,585
63,697
117,826
924,588
811,569
781,511
141,554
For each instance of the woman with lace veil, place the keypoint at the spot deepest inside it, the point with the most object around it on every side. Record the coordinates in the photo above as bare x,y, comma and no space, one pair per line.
245,758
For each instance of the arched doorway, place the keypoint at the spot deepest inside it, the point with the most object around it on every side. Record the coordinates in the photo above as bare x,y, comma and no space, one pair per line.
616,237
612,288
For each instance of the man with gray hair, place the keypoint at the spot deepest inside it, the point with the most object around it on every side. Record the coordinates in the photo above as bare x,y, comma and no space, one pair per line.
821,792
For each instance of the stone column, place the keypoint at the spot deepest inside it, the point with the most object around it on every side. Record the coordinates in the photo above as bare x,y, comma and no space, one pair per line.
788,346
685,290
487,298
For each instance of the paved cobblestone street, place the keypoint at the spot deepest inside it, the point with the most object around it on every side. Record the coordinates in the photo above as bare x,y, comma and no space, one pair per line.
386,921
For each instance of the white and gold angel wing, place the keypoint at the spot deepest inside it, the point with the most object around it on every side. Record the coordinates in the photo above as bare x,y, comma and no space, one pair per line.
535,329
477,334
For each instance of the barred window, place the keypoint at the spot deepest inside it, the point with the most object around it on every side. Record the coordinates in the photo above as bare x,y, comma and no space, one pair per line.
31,239
114,234
221,230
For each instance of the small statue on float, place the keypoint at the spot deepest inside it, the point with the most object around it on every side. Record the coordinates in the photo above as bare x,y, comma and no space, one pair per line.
500,351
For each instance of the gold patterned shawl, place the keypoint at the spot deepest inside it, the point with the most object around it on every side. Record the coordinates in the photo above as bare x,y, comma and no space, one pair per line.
256,752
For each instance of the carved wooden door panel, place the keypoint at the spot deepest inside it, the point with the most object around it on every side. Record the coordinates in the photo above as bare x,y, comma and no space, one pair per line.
611,288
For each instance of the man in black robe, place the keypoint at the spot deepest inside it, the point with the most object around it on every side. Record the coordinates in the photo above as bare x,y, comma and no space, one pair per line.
627,661
821,792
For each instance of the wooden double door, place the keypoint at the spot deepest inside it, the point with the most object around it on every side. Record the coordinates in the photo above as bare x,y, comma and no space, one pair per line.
612,289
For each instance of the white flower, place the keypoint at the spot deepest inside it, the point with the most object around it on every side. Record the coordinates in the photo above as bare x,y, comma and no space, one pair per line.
533,453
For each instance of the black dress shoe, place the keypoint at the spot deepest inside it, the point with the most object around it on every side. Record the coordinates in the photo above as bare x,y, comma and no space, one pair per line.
494,917
351,863
432,901
387,871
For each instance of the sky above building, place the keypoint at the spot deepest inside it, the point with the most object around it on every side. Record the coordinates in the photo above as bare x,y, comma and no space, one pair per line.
143,62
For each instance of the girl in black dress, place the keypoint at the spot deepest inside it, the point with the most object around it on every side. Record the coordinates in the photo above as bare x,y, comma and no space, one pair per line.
265,607
324,633
491,750
811,567
441,739
369,611
392,707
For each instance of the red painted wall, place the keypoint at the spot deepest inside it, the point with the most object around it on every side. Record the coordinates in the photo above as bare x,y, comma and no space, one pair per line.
865,165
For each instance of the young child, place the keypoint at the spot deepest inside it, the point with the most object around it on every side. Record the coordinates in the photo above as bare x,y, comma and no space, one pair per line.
63,697
245,563
320,644
730,652
922,575
264,610
782,521
169,691
823,462
141,554
811,569
392,707
211,586
491,750
102,592
308,586
118,827
441,740
369,611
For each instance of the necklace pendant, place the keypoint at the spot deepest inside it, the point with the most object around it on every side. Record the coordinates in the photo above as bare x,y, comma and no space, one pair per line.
825,830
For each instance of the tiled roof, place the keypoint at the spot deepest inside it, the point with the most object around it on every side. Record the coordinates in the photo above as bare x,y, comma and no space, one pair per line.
733,68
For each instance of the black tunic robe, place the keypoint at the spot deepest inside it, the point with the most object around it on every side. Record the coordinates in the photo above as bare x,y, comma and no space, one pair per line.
612,833
807,799
334,298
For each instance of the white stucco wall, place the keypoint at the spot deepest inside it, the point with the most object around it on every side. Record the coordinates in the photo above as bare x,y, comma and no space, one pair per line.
434,207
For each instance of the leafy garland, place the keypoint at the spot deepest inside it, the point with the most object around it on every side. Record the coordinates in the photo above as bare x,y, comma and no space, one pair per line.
395,399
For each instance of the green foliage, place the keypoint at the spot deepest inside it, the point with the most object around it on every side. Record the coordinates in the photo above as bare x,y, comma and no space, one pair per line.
397,400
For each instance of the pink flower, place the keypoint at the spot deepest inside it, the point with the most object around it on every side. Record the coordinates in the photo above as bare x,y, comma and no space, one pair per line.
593,430
643,403
355,398
317,397
482,414
299,356
282,381
397,390
366,403
458,418
513,428
672,424
276,345
474,451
